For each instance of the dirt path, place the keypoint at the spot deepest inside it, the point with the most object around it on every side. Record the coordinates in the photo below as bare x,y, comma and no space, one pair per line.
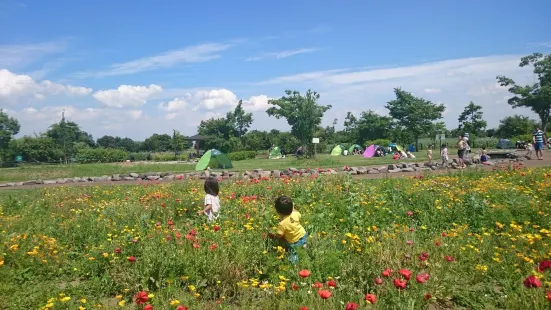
527,163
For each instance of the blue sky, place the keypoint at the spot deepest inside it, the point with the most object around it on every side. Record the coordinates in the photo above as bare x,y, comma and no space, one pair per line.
132,68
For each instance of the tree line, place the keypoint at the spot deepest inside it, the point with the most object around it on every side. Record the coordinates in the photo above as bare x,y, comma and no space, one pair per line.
409,119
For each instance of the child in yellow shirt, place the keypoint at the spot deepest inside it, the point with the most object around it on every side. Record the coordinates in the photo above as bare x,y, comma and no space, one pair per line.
289,227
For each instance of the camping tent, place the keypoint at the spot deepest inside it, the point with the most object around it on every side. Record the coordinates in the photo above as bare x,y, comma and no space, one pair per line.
337,150
369,151
275,153
213,159
395,147
354,147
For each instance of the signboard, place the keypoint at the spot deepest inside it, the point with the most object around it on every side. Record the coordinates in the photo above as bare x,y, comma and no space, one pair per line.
18,158
440,137
315,140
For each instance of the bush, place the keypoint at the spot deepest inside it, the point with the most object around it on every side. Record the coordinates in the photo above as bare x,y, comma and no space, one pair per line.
243,155
141,156
381,142
100,155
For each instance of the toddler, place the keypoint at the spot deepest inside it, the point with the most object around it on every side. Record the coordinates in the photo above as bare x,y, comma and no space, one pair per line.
444,154
212,201
429,153
484,156
289,227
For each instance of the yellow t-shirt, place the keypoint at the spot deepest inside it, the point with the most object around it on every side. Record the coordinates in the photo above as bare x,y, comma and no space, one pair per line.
289,227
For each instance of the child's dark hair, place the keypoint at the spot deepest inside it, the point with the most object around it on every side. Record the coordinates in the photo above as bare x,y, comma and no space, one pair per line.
284,205
211,186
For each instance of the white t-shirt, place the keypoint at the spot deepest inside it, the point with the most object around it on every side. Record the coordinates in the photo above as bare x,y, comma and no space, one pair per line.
345,152
214,201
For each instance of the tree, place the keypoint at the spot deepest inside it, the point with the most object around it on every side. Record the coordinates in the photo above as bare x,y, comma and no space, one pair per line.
9,127
178,142
515,125
470,120
302,113
240,120
537,96
415,115
157,143
221,133
32,149
108,142
66,134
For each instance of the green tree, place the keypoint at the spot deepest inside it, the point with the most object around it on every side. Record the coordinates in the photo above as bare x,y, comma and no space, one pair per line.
515,125
157,143
240,120
32,149
178,142
470,120
303,114
108,142
9,127
66,134
537,96
414,115
221,134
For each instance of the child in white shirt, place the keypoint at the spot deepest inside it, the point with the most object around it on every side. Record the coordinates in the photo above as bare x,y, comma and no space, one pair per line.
444,154
212,201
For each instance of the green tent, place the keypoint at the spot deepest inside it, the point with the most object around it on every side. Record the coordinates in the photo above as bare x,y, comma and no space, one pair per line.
355,146
213,159
275,153
337,150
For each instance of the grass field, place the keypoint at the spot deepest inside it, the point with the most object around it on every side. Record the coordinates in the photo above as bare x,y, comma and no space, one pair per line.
469,241
33,172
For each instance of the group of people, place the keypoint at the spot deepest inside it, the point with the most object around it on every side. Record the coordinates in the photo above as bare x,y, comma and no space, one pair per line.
355,151
289,230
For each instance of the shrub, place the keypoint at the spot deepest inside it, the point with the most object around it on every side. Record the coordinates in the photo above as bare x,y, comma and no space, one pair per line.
242,155
381,142
100,155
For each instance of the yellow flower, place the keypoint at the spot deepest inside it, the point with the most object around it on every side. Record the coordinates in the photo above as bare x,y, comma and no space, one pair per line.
118,297
121,303
191,288
174,302
105,255
65,299
83,300
81,308
150,296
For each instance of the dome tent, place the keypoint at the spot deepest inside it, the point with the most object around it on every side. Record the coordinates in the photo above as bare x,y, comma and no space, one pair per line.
354,147
337,150
275,153
213,159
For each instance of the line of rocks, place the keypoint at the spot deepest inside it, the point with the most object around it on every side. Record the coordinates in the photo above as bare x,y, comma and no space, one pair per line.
252,174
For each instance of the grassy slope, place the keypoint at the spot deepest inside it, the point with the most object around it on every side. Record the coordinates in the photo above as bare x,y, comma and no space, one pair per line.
82,170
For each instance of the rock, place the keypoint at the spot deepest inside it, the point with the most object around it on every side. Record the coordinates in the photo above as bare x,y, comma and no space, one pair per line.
19,184
69,180
408,170
432,167
116,177
46,182
153,177
382,169
293,169
258,170
31,182
373,171
353,170
205,174
265,174
134,175
164,174
4,185
392,167
61,181
423,169
169,177
277,174
394,170
246,172
362,170
11,184
333,171
128,178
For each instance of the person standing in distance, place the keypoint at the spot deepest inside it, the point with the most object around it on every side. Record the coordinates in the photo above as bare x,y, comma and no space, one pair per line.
537,139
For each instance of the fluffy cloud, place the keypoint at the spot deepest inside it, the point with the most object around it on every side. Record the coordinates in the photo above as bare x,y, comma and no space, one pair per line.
205,101
15,88
127,95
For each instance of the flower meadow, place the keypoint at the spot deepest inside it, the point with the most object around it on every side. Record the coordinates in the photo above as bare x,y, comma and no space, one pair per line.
470,240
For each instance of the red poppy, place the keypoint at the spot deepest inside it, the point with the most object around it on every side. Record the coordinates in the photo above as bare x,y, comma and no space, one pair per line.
118,250
324,294
387,272
196,246
295,287
548,295
378,281
422,278
216,228
405,273
532,282
409,213
148,307
332,283
428,296
317,285
213,246
180,307
141,298
170,223
131,259
351,306
304,273
450,259
371,298
303,308
193,232
437,243
423,256
544,265
400,284
444,234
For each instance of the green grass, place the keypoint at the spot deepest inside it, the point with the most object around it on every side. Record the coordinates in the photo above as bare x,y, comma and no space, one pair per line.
46,172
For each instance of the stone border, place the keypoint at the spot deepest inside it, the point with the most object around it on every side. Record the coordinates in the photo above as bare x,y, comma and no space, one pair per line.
252,174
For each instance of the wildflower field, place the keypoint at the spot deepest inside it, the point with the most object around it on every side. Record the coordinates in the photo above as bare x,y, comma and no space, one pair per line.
465,241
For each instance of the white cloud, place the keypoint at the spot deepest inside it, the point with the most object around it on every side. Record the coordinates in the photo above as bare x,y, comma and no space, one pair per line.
15,88
20,55
127,95
283,54
431,90
196,53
